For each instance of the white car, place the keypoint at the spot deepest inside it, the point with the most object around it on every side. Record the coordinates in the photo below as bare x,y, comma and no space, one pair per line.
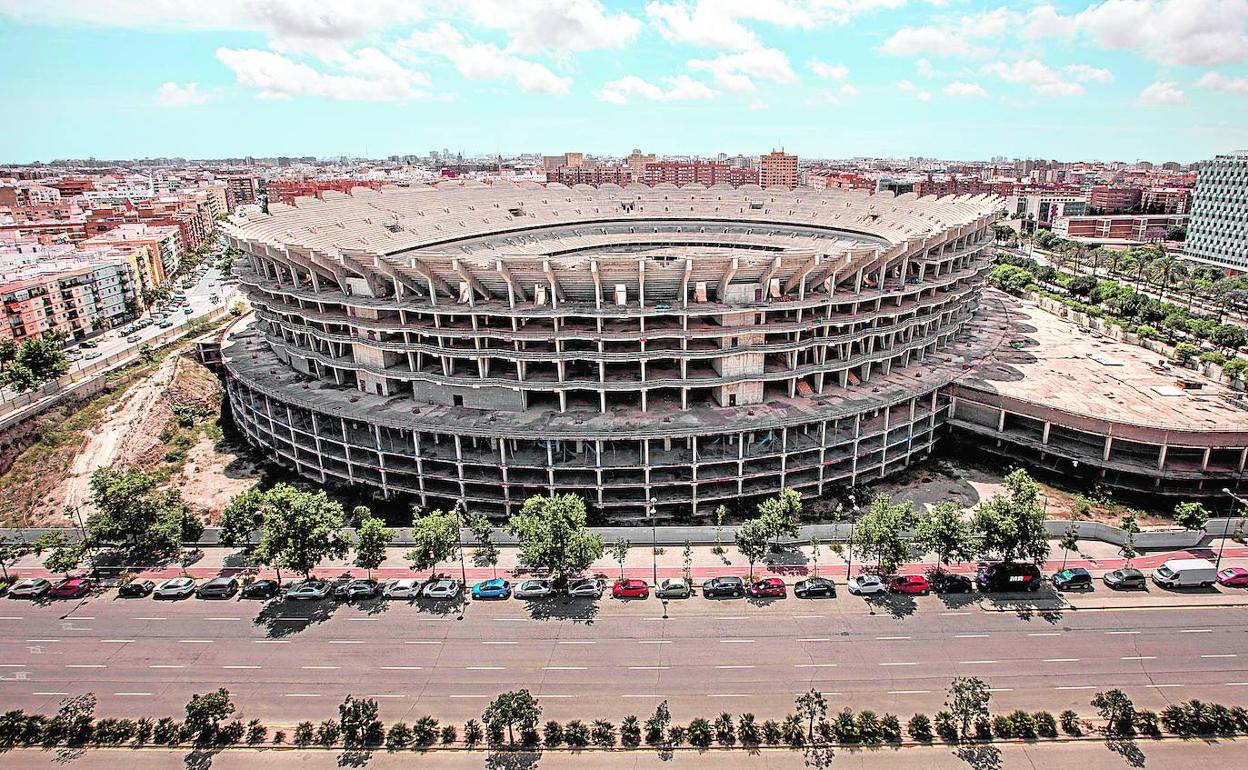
590,588
175,588
866,584
673,588
30,588
442,588
406,588
534,589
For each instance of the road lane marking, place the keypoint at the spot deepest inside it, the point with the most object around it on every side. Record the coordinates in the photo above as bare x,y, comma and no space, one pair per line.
736,641
422,641
195,641
732,617
301,695
13,665
1060,660
1047,633
890,638
240,667
320,668
907,692
809,617
971,636
222,618
85,665
564,668
346,641
639,696
272,641
902,663
576,641
485,668
370,620
293,619
648,668
1163,685
1221,655
727,695
82,617
1077,687
49,693
816,639
735,666
43,641
1121,633
955,613
403,696
975,662
509,620
655,641
401,668
149,618
9,617
166,665
1138,657
1000,689
469,696
131,694
814,665
1195,630
1228,684
116,641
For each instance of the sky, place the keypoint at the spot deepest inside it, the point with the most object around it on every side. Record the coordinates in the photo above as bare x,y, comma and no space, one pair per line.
953,79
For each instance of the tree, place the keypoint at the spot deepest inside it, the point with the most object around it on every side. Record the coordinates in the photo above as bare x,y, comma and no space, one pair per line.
65,556
482,530
878,532
752,538
1069,541
514,709
814,553
136,516
657,724
357,719
1010,525
436,539
1191,516
41,357
12,549
242,516
687,554
8,352
1116,709
552,535
720,513
943,531
372,538
811,706
1131,529
299,530
204,713
1226,336
619,552
782,514
967,700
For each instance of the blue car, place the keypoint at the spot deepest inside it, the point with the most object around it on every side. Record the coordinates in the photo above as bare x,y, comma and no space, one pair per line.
492,589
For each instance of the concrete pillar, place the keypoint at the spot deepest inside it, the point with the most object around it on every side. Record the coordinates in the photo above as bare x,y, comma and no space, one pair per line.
1045,438
1161,458
1109,443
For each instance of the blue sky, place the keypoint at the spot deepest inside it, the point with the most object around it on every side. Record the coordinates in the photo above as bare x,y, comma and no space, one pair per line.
960,79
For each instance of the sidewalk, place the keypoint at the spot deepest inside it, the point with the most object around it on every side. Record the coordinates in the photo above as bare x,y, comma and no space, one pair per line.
792,565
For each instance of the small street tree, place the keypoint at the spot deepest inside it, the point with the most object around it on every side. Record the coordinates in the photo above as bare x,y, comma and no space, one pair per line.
720,513
133,514
299,530
12,549
815,544
1010,525
372,538
435,538
782,514
1191,516
512,710
657,723
552,535
811,706
619,552
1069,542
687,561
64,556
204,714
877,535
241,517
967,700
357,719
943,531
752,539
1130,528
486,551
1117,710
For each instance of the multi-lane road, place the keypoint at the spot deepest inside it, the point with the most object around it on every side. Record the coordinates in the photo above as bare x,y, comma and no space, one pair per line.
284,662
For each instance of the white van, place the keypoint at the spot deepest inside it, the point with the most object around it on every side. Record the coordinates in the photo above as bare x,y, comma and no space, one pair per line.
1185,573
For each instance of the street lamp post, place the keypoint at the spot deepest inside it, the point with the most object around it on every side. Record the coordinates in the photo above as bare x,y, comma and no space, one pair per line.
1227,528
654,541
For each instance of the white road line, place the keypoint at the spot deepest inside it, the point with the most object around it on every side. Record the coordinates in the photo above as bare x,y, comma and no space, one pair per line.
907,692
576,641
1060,660
346,641
301,695
955,613
9,617
469,696
401,668
131,694
195,641
1121,633
735,666
293,619
116,641
732,617
272,641
727,695
736,641
971,636
565,668
1138,657
1228,684
1163,685
82,617
240,667
49,693
148,618
13,665
654,641
500,643
814,665
638,696
222,618
85,665
1221,655
903,663
890,638
485,668
398,696
816,639
320,668
509,620
809,617
1195,630
1000,689
422,641
371,620
157,665
975,662
648,668
43,641
1047,633
1077,687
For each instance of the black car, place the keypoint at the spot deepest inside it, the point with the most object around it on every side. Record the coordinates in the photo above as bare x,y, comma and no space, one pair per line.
357,589
1072,579
724,586
135,589
1125,578
951,583
217,588
1009,577
260,589
815,586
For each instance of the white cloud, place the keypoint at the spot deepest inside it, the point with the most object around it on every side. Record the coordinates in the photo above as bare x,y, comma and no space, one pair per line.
736,71
701,24
1162,94
958,88
911,88
1089,74
849,90
173,95
1047,21
371,76
554,25
826,71
1217,82
485,61
1036,74
956,37
679,88
924,67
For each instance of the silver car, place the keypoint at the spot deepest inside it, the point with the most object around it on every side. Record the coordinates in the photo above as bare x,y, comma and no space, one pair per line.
406,588
673,588
442,588
534,589
175,588
312,590
30,588
866,584
589,588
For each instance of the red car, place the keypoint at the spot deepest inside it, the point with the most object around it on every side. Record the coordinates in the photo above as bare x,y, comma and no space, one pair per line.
1234,577
910,584
630,588
71,588
767,588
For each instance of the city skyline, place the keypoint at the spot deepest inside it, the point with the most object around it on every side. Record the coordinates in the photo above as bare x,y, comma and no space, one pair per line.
1121,80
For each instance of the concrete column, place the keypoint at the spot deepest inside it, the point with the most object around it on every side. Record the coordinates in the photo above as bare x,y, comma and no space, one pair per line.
1204,459
1001,422
1045,438
1109,444
1161,458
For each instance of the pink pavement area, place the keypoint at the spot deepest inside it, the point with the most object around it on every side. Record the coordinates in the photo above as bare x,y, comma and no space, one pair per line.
793,565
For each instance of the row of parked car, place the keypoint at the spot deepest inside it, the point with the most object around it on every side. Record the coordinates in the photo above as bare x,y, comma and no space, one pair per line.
1011,577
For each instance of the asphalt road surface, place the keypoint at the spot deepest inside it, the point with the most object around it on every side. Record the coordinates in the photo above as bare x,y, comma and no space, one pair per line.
284,662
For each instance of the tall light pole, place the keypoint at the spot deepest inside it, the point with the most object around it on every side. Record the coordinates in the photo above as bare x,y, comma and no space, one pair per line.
460,505
1227,529
654,540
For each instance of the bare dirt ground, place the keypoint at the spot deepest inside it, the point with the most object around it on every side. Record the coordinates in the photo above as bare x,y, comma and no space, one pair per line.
214,473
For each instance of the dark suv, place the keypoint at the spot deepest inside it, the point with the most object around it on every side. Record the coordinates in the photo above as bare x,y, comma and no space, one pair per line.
1074,578
723,586
217,588
1009,577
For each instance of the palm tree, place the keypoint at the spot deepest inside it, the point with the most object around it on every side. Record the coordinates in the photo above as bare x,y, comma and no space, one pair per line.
1164,268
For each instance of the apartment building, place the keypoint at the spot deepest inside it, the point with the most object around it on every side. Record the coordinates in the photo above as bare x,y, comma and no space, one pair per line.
1114,200
159,249
704,172
1120,229
76,294
777,169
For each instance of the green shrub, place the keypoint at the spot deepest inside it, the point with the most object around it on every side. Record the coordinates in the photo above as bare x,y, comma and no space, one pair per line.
1024,726
725,733
700,733
920,728
676,735
143,731
983,729
1046,725
1145,723
399,736
846,727
1184,352
630,731
794,731
1212,357
946,727
232,733
552,734
279,737
772,734
424,731
472,733
603,733
305,733
256,732
450,733
166,731
868,727
748,730
1235,368
1070,722
890,728
1002,726
576,734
